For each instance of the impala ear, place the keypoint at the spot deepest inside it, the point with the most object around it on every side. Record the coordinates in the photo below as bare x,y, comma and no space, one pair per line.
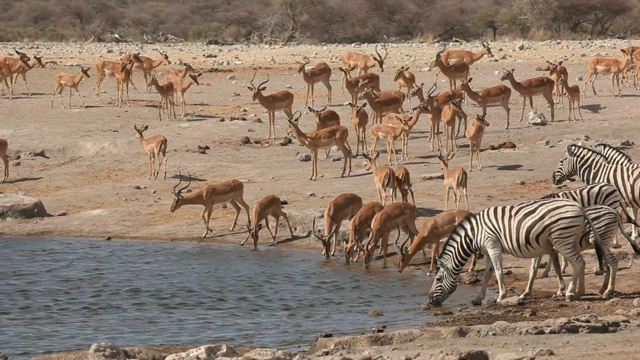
560,63
250,88
263,88
364,105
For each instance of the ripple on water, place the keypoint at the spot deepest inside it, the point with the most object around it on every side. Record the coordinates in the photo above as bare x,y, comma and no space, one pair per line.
57,297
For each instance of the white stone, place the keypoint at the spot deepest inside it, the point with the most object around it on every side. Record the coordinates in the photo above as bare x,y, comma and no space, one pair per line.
206,352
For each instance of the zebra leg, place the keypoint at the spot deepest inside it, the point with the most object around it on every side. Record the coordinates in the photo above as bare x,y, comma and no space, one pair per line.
609,282
553,258
488,270
547,268
494,250
532,276
577,277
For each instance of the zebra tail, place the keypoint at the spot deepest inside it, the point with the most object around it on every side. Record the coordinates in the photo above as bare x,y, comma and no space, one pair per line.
629,217
634,246
597,244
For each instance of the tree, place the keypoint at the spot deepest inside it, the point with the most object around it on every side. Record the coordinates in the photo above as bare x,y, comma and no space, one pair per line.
488,19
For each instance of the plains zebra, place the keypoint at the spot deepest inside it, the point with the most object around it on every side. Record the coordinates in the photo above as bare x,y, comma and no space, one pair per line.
592,167
597,194
525,230
617,157
606,222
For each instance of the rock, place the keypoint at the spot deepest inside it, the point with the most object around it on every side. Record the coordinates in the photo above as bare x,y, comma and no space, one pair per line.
311,194
530,313
455,332
543,352
104,351
537,118
325,335
3,357
475,355
245,140
61,213
626,143
231,77
265,354
73,63
521,47
520,182
304,157
16,163
377,330
534,330
579,78
512,301
289,86
16,206
206,352
257,120
634,312
512,356
433,176
375,313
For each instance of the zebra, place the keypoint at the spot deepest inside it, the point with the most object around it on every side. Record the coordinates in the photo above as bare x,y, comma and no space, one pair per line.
617,157
524,230
606,222
592,167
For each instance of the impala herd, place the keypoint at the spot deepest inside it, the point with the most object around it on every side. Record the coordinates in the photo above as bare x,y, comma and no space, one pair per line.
387,121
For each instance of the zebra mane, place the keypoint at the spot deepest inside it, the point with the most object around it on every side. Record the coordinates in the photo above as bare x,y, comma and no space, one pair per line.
551,196
608,151
575,150
456,238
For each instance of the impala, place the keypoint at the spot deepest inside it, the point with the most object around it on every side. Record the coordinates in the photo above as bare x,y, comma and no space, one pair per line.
156,148
382,102
352,84
181,86
440,101
325,118
270,205
281,100
364,62
181,73
358,227
359,119
432,231
231,191
636,59
166,92
474,134
3,155
383,178
456,180
146,64
392,119
63,80
343,207
109,68
403,183
452,71
23,69
319,73
555,72
449,114
600,65
392,217
496,94
573,93
404,78
456,56
541,85
7,69
391,134
322,139
123,78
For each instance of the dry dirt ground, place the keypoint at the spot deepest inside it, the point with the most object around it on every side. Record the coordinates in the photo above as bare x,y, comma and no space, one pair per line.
96,169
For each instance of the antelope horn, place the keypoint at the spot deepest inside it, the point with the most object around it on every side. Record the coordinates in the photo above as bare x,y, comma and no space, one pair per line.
253,78
264,82
432,89
293,116
441,50
315,232
180,178
186,186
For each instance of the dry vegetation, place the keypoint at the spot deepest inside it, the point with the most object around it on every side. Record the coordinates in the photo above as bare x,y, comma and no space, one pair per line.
307,20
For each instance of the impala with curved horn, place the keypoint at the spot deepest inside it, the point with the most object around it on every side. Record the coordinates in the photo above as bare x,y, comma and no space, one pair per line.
365,62
281,100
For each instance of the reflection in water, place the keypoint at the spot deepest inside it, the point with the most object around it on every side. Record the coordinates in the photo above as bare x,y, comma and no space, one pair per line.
65,294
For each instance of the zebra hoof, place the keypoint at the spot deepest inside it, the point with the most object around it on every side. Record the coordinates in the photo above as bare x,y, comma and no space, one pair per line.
476,302
572,297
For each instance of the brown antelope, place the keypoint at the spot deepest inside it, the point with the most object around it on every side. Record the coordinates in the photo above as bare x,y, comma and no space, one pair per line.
358,227
63,80
352,84
474,134
382,102
23,69
364,62
123,78
324,119
166,92
631,49
404,78
456,180
449,114
383,178
343,207
600,65
452,71
109,68
156,148
432,231
181,73
146,64
541,85
359,119
411,120
456,56
440,101
8,68
231,192
281,100
636,59
403,183
4,145
495,94
393,217
555,72
322,139
270,205
181,86
319,73
391,134
573,95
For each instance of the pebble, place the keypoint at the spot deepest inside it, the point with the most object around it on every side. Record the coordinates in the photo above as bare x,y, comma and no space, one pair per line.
16,163
636,302
304,157
231,77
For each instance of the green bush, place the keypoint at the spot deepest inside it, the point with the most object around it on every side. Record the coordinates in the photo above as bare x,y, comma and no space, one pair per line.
205,31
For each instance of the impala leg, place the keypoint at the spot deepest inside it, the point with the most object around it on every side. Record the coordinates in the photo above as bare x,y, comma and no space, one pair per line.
207,220
335,237
524,103
286,218
446,198
478,155
435,251
237,208
466,197
273,236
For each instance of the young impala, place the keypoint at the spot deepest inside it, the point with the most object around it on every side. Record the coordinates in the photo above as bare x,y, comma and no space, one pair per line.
541,85
383,178
358,227
343,207
452,71
270,205
496,94
63,80
474,134
156,148
319,73
600,65
146,64
456,180
393,217
364,62
360,119
352,84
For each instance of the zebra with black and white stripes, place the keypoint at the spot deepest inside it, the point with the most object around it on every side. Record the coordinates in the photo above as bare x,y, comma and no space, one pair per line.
617,157
605,222
525,230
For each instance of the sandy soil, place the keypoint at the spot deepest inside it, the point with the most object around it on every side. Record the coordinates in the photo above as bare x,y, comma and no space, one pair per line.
96,169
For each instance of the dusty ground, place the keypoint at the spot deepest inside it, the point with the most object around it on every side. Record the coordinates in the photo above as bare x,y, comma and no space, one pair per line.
96,169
